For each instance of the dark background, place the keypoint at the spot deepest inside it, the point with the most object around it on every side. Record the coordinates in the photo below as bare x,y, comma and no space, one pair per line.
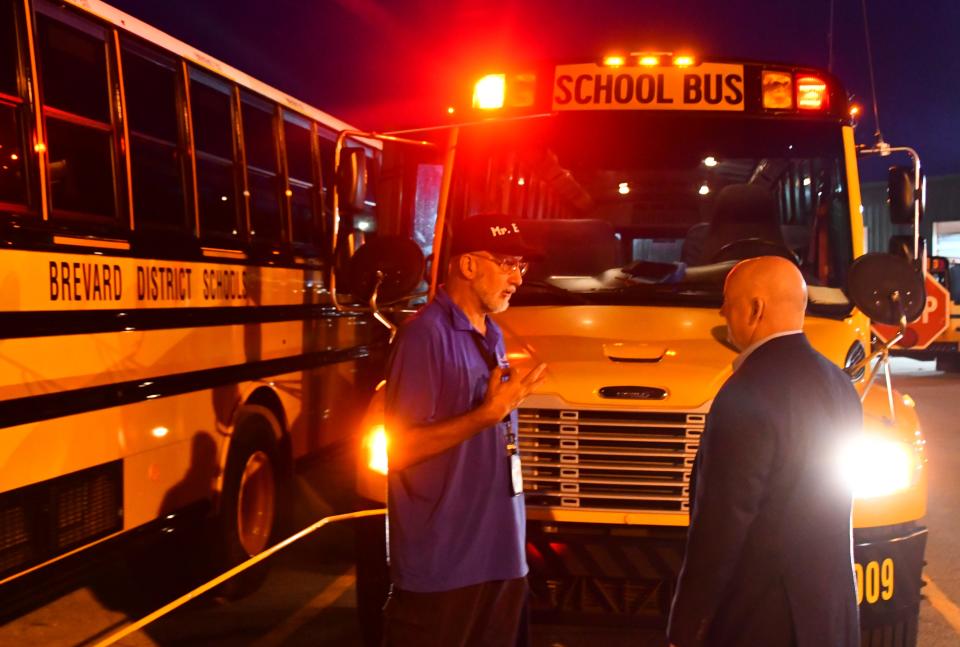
384,64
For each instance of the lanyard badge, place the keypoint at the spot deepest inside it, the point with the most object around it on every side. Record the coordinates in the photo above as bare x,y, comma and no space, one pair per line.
513,455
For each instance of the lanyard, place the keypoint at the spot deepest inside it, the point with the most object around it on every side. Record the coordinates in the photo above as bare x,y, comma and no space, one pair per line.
493,363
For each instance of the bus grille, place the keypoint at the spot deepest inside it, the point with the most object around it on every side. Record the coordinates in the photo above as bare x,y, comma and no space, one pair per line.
41,521
624,461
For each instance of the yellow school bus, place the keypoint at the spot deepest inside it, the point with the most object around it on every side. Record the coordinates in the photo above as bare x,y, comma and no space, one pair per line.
169,343
616,166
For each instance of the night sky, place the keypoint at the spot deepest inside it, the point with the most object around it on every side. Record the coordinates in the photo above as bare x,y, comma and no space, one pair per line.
383,64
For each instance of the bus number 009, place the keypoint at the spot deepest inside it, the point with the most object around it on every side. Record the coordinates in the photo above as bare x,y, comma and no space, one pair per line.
874,582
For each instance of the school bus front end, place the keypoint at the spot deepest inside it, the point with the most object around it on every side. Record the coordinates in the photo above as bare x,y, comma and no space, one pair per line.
644,179
608,445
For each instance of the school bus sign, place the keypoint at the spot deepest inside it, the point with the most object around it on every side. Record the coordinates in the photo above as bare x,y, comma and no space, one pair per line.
929,325
710,86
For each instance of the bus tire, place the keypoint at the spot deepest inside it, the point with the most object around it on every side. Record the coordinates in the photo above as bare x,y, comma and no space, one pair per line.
249,503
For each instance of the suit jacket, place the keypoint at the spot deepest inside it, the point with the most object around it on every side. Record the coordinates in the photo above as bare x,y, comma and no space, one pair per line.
769,557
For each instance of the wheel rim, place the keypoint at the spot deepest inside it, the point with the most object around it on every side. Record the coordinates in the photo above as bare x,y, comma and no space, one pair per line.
255,507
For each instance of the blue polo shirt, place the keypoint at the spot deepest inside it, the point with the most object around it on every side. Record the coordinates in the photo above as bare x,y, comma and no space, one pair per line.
452,519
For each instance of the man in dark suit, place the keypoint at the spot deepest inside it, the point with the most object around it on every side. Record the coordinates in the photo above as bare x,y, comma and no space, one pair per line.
769,557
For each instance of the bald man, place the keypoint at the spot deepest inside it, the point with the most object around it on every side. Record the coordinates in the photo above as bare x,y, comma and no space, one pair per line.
769,558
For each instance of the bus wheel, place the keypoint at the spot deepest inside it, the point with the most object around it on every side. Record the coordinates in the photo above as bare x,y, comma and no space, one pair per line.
249,502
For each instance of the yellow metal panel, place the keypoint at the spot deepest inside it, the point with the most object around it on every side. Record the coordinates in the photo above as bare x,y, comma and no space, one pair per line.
39,365
853,190
65,281
695,362
608,517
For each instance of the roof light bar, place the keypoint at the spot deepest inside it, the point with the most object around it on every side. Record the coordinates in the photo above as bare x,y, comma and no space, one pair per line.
489,92
777,88
811,93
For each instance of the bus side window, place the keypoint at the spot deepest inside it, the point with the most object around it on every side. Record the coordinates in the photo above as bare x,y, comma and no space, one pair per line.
217,194
157,160
80,134
305,226
425,206
13,172
328,145
263,180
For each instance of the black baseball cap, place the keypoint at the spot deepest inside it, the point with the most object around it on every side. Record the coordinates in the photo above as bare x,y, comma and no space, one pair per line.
492,232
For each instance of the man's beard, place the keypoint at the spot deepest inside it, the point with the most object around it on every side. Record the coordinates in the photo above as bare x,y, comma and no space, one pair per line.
495,305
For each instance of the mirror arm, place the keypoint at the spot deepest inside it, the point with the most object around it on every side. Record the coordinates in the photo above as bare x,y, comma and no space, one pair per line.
883,356
376,310
338,149
884,149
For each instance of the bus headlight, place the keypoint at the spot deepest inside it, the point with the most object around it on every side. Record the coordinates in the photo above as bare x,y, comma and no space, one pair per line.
872,466
375,444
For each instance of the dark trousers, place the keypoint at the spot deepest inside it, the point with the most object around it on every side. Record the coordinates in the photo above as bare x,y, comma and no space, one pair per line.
481,615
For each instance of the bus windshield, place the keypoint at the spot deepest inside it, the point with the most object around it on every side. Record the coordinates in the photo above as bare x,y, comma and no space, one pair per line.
627,206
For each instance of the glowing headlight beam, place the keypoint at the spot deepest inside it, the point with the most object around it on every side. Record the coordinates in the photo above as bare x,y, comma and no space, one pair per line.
874,467
376,443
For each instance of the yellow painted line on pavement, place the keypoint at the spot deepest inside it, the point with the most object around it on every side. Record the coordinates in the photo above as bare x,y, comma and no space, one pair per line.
330,594
943,604
239,568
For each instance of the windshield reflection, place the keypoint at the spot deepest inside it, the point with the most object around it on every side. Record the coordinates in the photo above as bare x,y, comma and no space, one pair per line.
656,209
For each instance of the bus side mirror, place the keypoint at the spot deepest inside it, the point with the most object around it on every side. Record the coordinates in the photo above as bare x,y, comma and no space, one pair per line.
901,195
886,287
390,266
352,179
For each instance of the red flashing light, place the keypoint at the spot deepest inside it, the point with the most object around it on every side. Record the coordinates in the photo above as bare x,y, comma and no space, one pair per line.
489,91
811,93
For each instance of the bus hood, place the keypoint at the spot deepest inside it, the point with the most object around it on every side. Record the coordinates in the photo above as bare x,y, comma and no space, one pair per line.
681,351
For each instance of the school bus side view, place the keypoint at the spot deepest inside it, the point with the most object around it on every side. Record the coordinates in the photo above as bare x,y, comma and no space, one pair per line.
626,170
169,343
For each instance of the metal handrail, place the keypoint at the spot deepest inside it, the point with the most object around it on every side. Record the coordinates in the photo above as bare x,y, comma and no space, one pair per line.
239,568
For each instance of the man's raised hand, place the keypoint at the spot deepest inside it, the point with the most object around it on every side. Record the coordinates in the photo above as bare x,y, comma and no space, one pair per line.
505,395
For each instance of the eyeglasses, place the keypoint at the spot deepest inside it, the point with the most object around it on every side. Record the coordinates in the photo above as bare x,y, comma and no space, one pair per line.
506,265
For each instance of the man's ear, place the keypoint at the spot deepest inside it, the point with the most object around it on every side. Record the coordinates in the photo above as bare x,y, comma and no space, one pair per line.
467,265
756,309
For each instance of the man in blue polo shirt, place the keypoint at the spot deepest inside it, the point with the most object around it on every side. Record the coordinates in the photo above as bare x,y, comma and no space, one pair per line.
455,495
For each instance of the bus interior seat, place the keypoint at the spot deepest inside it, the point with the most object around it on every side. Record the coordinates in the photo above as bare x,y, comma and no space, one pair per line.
691,251
595,242
742,212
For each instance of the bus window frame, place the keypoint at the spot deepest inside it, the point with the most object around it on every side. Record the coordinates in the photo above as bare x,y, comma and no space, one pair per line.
260,244
216,83
118,43
313,249
135,46
25,117
68,220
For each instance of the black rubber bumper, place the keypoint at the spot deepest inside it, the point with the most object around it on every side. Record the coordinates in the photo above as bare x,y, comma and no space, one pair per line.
889,566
